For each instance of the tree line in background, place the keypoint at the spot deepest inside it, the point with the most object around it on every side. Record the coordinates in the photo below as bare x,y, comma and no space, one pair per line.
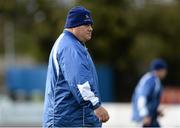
125,37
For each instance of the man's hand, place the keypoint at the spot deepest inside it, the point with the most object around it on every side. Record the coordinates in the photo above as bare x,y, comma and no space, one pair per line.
146,121
102,114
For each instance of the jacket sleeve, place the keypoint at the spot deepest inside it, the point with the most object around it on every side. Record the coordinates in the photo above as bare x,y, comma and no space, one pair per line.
145,91
75,69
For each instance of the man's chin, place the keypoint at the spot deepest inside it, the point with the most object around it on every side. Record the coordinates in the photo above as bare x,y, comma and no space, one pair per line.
88,39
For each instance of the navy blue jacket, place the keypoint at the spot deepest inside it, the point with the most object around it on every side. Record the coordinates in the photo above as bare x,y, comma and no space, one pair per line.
72,85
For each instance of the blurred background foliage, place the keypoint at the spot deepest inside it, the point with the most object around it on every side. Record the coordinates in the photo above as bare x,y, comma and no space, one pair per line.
127,35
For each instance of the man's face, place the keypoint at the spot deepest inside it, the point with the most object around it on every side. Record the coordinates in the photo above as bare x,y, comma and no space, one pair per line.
83,33
162,73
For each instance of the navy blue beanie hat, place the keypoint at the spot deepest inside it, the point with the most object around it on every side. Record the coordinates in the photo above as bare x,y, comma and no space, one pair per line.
78,16
158,64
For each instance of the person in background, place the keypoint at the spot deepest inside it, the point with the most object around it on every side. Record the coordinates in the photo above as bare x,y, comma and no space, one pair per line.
72,96
147,95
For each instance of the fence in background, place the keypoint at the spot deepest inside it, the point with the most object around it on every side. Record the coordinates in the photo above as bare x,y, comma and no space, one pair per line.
27,79
171,95
30,81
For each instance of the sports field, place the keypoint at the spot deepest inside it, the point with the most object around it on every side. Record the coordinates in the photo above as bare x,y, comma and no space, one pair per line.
30,114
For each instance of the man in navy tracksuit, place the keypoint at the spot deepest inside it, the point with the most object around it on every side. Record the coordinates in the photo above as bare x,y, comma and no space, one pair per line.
147,94
72,97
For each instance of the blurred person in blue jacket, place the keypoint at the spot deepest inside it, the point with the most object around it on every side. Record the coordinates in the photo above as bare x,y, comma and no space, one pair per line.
147,94
72,97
